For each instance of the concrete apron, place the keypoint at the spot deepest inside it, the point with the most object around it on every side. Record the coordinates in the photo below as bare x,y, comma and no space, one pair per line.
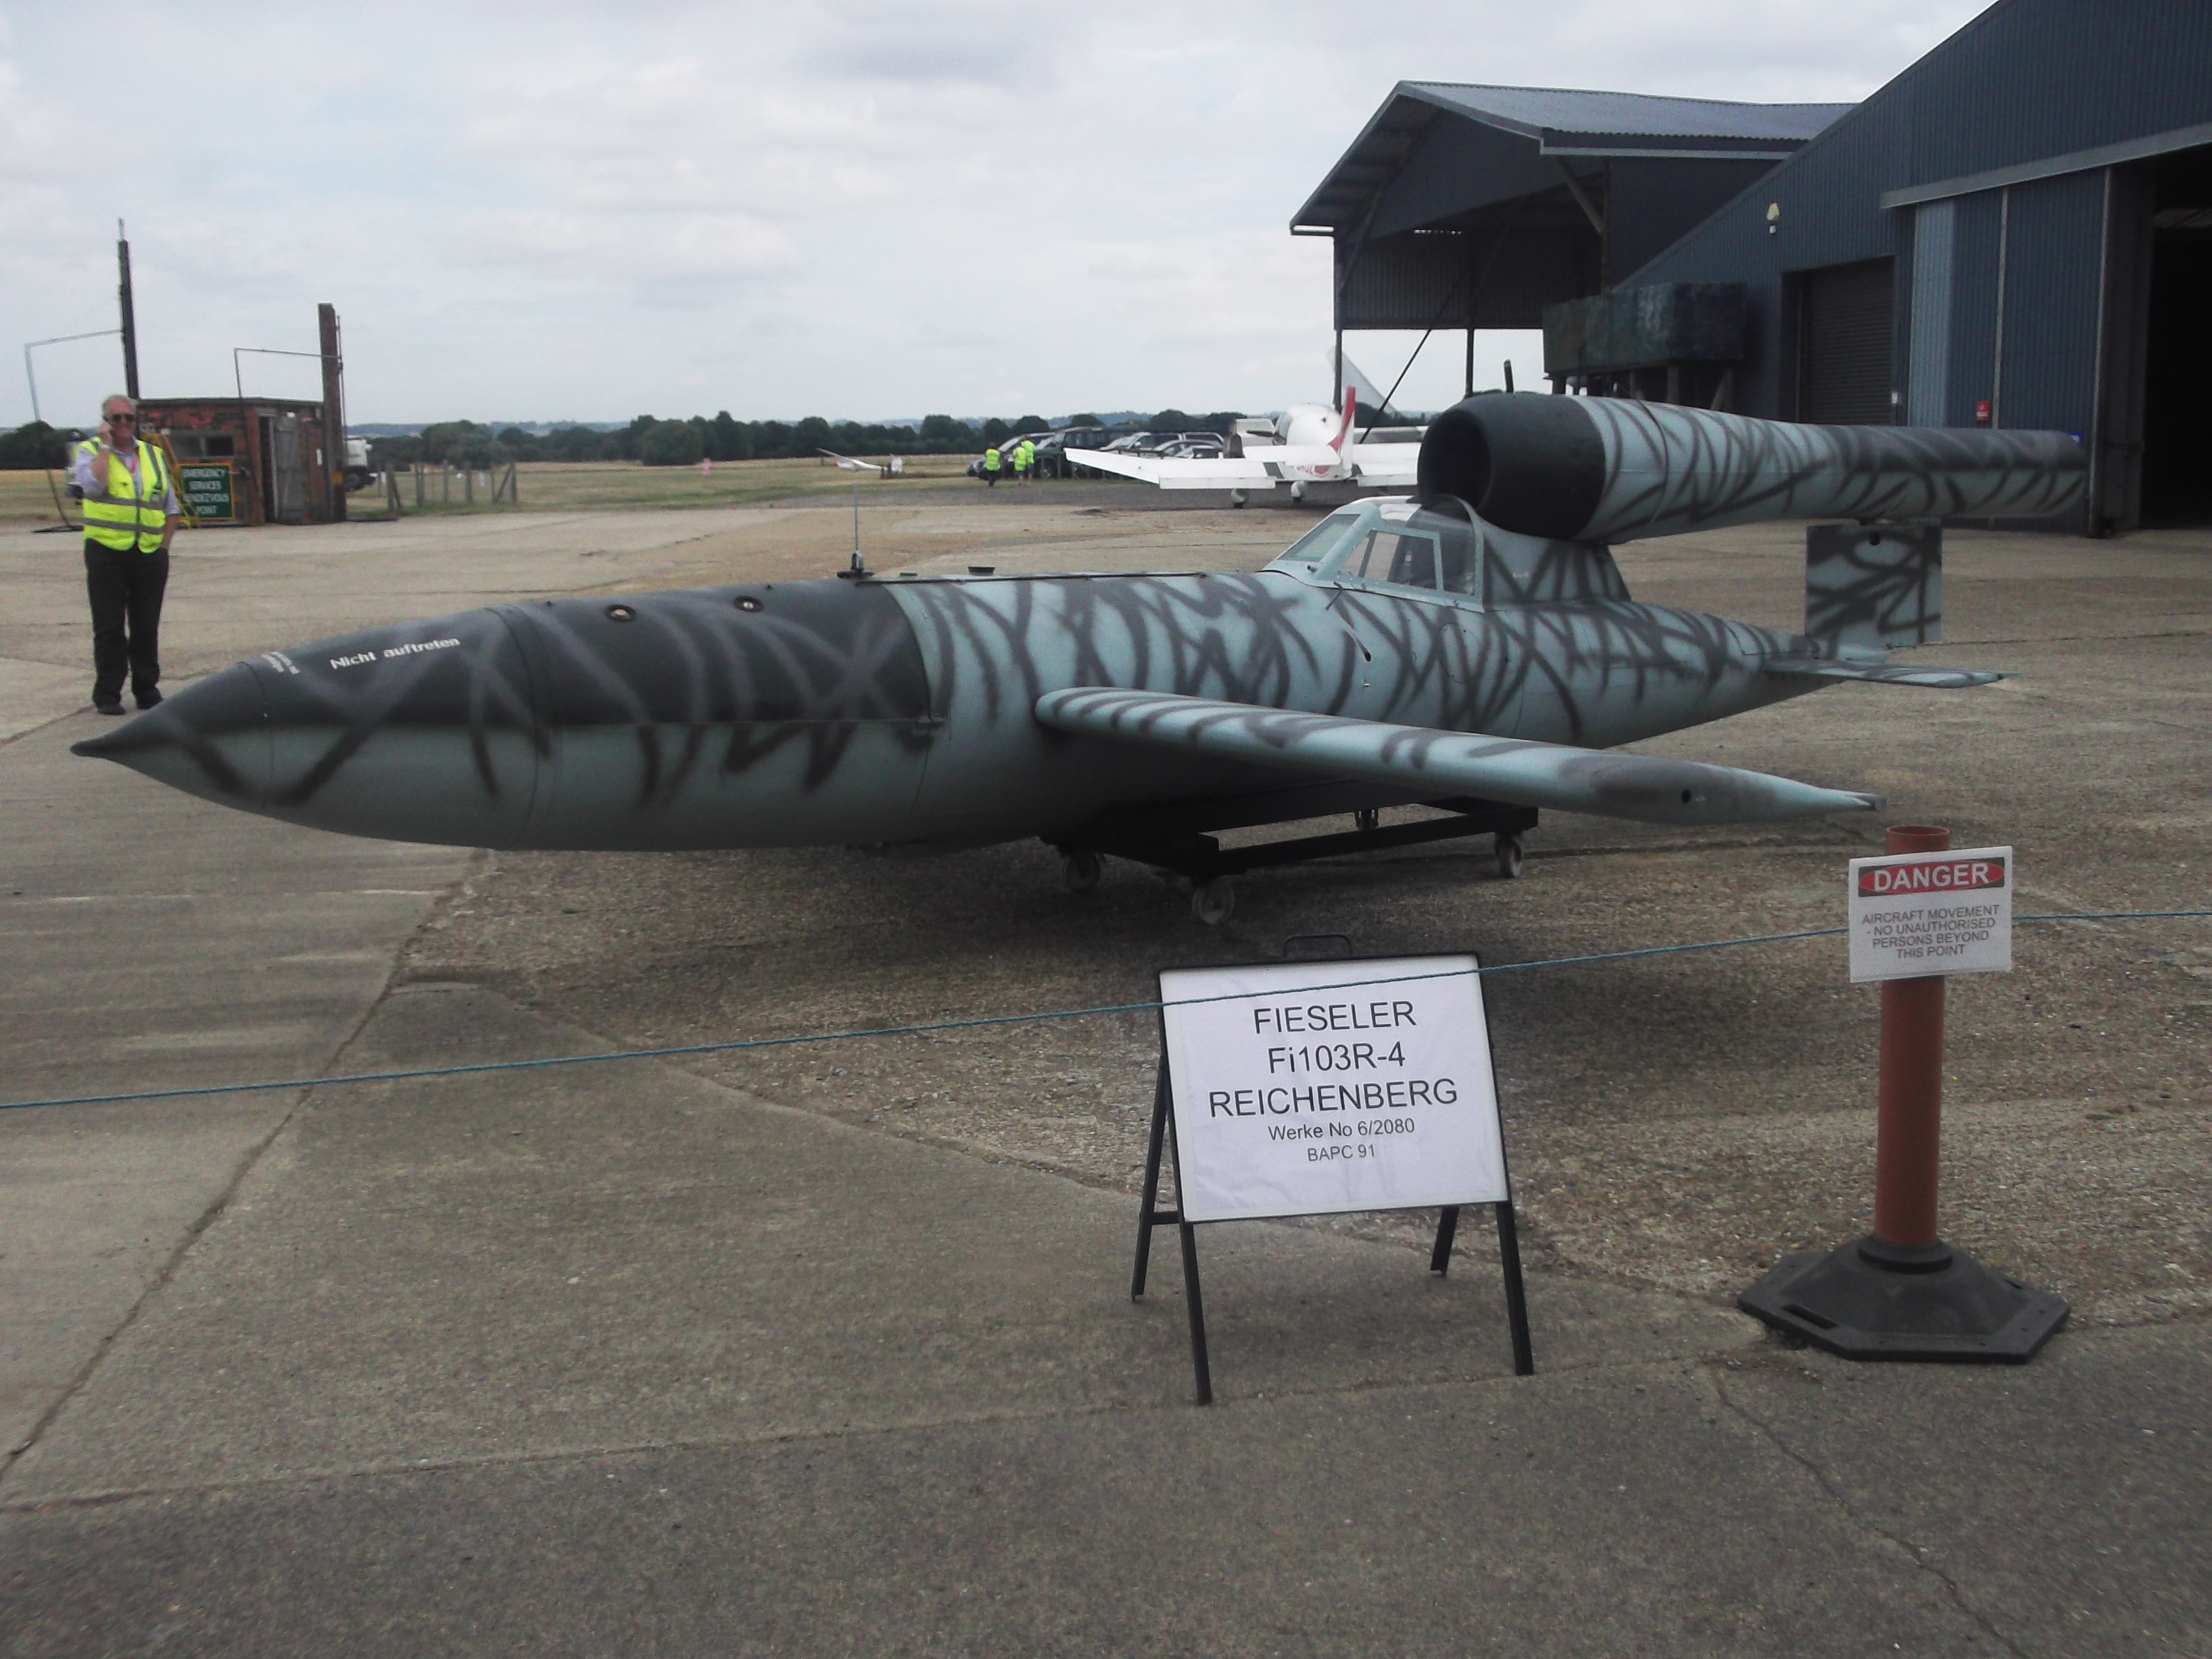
155,943
618,1359
615,1357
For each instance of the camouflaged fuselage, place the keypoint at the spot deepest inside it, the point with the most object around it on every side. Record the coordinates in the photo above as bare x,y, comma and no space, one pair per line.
902,711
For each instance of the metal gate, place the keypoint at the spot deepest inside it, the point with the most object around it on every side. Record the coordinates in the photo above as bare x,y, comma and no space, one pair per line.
1844,336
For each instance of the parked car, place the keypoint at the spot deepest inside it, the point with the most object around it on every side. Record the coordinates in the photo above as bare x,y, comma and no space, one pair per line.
1195,447
1007,453
1054,449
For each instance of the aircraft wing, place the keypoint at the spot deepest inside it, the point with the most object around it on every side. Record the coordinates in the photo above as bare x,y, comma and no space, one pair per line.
1386,467
1521,773
847,464
1170,472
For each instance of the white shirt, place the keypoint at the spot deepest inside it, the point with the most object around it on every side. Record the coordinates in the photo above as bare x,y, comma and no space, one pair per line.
85,459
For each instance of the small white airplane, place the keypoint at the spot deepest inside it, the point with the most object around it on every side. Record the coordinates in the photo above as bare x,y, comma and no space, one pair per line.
896,464
1312,444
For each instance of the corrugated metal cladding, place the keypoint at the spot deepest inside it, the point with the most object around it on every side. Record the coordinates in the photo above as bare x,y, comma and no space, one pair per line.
2054,252
1423,280
1999,286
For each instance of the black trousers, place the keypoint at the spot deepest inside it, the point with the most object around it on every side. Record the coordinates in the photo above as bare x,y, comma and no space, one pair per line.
125,590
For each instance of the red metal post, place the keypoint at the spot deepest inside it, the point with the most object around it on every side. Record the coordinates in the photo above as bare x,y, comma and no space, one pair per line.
1909,1116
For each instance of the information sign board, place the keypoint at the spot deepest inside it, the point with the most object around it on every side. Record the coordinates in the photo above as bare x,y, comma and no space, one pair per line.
1312,1088
206,489
1915,915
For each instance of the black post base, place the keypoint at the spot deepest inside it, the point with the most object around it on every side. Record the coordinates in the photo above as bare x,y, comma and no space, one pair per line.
1869,1300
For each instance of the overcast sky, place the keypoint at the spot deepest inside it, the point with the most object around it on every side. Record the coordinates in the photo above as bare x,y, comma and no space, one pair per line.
593,211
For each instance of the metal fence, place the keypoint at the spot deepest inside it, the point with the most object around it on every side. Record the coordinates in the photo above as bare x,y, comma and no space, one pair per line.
436,486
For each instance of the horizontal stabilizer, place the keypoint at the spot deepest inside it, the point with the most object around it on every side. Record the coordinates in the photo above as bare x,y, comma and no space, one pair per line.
1432,763
1888,674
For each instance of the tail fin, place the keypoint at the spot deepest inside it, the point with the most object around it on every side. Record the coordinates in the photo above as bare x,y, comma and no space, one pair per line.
1875,586
1350,407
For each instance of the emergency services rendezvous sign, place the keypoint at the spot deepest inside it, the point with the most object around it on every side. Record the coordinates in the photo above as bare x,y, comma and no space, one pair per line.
1309,1088
1913,914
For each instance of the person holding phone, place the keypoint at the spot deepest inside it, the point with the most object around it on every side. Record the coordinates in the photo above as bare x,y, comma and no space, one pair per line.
130,513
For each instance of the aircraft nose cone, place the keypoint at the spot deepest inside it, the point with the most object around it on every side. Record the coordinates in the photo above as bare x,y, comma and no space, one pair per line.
210,739
422,731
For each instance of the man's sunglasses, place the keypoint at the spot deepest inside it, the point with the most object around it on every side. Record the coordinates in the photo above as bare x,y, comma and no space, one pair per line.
133,419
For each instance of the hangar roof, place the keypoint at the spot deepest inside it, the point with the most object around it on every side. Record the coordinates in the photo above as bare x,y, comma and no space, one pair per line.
1562,122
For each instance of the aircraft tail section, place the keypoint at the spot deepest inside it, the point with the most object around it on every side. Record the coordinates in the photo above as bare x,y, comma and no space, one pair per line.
1873,587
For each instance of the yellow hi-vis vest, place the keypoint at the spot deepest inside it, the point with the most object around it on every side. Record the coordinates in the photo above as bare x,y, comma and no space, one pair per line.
129,512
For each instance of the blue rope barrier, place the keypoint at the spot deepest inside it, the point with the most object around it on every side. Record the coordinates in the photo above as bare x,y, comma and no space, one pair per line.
738,1044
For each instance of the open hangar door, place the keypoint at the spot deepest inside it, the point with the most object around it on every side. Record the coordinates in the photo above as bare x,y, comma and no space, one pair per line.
2177,429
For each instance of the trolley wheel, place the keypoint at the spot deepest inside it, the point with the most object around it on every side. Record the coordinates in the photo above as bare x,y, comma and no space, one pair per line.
1081,870
1511,852
1211,902
1367,818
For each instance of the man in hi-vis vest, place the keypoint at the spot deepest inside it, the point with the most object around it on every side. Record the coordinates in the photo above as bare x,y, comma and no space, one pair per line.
129,514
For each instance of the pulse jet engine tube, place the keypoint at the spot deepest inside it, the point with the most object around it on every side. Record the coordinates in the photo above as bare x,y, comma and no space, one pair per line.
1611,470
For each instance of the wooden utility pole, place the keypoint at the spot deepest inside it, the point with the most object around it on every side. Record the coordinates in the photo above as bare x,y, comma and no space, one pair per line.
130,318
334,430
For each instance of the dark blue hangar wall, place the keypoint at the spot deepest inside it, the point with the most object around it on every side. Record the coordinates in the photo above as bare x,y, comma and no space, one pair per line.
1995,215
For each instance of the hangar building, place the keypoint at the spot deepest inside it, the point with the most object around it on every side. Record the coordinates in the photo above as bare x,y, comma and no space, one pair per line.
2014,232
1469,207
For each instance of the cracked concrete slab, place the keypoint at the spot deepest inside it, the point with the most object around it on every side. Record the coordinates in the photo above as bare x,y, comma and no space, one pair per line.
1623,1513
551,1262
2071,1512
195,949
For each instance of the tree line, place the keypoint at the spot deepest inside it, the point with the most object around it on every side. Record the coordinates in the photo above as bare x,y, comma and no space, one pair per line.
658,442
686,442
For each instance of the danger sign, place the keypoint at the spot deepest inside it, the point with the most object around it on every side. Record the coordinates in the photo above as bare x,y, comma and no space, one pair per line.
1915,915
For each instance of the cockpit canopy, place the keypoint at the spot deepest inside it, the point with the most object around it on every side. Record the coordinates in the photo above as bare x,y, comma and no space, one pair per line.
1394,542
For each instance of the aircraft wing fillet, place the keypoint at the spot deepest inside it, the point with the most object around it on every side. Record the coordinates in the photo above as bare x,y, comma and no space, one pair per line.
1542,775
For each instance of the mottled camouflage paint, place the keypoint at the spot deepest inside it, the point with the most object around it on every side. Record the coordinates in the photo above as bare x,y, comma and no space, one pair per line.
909,711
1612,469
1451,764
1670,470
873,712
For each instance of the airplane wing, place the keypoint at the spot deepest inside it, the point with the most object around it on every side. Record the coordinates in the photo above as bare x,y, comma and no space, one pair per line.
1177,473
846,464
1521,773
1386,467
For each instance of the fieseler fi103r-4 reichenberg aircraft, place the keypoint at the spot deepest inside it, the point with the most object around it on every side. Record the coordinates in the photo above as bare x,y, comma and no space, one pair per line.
1471,648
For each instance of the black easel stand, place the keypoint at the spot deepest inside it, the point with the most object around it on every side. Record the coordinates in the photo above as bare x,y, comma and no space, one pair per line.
1150,1215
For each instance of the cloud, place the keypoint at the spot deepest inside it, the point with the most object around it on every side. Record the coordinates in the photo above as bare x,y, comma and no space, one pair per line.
835,204
679,251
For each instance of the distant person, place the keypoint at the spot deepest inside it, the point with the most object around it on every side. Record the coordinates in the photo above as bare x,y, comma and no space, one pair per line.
991,466
1021,462
129,515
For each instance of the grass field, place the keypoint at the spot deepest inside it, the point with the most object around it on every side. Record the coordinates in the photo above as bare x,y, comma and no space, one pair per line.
557,486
